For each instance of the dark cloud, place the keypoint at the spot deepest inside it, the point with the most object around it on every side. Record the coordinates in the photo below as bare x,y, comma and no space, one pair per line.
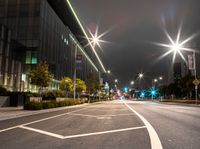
135,24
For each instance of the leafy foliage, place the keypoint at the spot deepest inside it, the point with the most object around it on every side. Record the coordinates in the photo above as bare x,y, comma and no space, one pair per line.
3,91
66,84
58,93
54,104
40,76
33,106
51,104
93,84
183,88
80,85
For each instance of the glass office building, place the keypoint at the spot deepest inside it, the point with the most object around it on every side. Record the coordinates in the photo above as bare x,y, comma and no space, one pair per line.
35,32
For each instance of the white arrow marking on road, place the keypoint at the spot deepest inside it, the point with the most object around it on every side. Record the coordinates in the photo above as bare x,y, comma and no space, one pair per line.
155,141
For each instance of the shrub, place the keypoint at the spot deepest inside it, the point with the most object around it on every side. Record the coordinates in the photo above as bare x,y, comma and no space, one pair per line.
49,105
48,96
54,104
3,91
58,93
33,106
31,94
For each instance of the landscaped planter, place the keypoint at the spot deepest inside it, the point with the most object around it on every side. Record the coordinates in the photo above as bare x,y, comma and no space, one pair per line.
17,99
4,101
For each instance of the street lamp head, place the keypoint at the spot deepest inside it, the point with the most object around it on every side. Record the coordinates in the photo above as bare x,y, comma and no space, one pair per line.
116,80
108,71
132,82
160,78
95,40
141,75
155,80
176,47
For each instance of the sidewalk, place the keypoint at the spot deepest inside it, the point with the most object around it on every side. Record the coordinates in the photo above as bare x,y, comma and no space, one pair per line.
16,112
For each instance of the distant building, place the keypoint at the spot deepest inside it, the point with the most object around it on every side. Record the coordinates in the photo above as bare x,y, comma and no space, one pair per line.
32,31
177,71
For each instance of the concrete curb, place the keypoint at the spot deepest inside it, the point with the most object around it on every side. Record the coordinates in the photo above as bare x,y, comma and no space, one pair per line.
28,113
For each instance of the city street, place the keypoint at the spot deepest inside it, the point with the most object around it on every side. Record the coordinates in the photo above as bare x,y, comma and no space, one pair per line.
91,74
114,124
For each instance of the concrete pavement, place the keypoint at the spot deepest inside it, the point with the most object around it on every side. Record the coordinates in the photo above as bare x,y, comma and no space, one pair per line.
108,125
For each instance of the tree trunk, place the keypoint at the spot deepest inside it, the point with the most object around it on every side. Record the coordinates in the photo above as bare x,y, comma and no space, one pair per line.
40,93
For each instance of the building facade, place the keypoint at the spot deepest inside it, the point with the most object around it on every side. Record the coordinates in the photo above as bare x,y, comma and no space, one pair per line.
32,31
177,71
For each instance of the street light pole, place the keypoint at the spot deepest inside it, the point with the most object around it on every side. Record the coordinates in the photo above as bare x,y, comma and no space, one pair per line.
195,74
75,72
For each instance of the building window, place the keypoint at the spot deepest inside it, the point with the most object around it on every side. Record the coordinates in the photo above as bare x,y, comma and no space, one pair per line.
66,41
28,57
31,57
34,58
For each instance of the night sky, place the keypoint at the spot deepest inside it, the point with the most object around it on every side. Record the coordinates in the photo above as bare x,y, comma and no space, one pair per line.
133,26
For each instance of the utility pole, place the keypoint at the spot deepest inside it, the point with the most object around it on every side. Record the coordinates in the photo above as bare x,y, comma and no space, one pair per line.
75,71
195,74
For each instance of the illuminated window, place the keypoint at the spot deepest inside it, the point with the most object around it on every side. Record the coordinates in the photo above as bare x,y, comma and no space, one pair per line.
66,41
31,57
34,58
28,57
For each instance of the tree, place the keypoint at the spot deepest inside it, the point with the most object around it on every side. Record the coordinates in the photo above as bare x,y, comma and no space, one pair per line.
80,86
187,86
40,76
93,84
66,84
163,90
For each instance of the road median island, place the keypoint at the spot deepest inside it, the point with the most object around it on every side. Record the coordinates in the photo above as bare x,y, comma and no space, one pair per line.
55,104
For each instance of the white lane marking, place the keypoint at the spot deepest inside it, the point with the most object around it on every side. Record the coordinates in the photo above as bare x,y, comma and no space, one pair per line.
155,141
10,128
84,115
113,115
17,126
104,132
43,132
104,118
79,135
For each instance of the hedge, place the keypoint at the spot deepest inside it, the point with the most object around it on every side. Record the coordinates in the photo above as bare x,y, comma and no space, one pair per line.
50,104
54,104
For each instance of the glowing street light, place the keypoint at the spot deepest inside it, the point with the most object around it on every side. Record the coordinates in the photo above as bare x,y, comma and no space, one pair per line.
153,92
132,82
116,81
155,80
160,78
108,71
96,39
177,46
141,75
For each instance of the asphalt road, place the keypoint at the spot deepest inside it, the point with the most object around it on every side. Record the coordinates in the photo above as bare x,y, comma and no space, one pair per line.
107,125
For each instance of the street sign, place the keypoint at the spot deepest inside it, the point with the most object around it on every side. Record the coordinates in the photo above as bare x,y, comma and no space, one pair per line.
196,82
191,62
